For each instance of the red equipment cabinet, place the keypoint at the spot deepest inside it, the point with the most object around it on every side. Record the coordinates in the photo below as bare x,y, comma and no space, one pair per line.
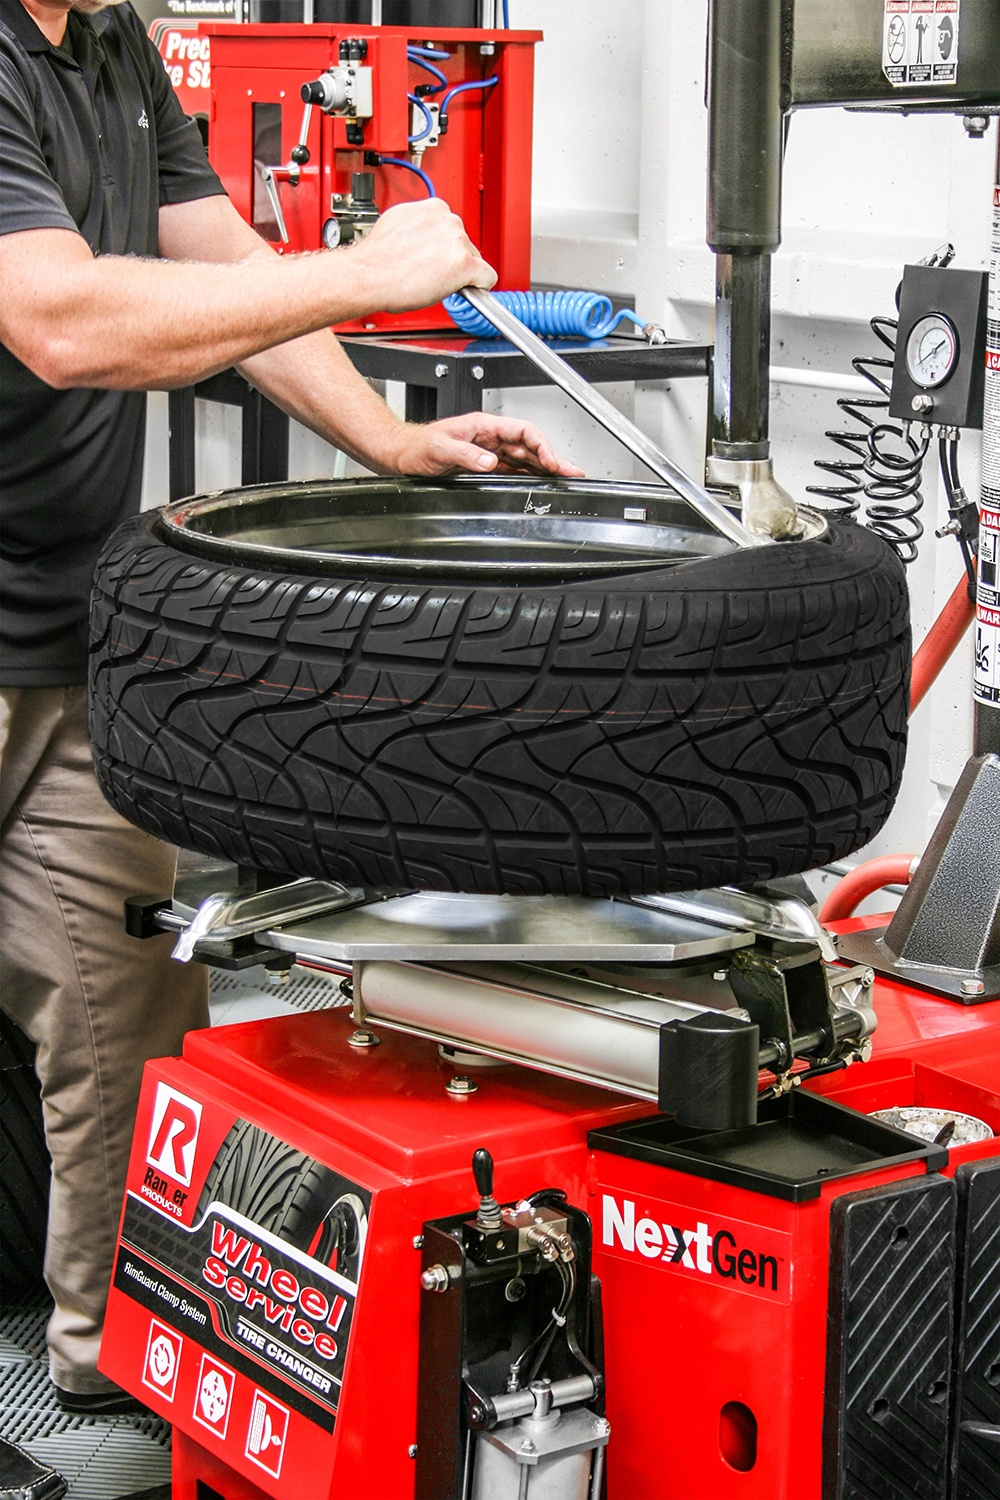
481,167
719,1359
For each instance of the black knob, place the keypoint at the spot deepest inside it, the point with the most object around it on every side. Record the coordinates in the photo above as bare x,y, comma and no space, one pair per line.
363,189
482,1171
300,155
313,93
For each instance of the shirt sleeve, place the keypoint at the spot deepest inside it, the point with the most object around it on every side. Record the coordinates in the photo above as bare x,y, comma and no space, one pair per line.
184,170
30,198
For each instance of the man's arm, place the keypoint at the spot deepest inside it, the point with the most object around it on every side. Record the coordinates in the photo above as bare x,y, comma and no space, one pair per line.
220,296
131,324
313,380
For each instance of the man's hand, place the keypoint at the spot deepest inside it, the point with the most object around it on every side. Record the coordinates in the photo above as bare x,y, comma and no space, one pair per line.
417,254
477,444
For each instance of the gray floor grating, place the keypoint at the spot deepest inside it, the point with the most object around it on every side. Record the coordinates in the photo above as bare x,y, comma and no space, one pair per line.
104,1461
246,995
110,1458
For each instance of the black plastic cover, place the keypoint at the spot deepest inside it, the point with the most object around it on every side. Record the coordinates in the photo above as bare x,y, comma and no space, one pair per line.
709,1066
799,1144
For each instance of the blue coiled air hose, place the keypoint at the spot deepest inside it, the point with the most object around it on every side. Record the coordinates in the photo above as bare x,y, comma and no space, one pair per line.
580,315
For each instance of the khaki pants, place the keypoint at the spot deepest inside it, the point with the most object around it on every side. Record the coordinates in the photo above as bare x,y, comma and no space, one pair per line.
97,1003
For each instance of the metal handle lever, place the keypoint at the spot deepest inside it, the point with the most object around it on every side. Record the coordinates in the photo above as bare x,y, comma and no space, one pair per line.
583,393
272,193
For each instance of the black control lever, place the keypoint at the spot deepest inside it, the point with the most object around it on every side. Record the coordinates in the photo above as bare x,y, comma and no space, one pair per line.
488,1216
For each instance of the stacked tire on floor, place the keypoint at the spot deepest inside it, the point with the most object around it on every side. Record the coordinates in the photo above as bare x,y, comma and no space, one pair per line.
720,720
25,1168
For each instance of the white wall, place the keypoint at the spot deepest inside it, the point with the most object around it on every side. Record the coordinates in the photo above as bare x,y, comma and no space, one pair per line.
619,205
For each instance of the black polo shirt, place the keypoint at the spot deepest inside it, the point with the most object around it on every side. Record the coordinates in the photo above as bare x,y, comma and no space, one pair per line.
92,139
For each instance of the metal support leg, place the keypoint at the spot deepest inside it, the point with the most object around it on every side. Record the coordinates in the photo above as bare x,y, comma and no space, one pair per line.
421,403
265,440
181,442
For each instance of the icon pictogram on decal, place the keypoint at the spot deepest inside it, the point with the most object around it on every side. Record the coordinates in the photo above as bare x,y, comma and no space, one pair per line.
213,1399
267,1432
163,1360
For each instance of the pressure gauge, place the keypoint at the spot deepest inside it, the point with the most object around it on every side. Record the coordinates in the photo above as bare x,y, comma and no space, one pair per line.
931,350
337,231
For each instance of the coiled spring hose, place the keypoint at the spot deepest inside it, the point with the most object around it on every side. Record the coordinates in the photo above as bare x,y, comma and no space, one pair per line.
885,462
580,315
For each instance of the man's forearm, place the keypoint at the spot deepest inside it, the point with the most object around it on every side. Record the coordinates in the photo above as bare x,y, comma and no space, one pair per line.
142,325
313,380
216,297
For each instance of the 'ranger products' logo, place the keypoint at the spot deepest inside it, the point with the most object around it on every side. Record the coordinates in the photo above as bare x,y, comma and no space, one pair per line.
724,1251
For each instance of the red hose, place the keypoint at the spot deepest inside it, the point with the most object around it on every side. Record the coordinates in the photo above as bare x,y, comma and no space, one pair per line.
940,641
891,869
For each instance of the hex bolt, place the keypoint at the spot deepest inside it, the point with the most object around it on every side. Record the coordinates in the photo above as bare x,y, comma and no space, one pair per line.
527,1446
478,372
418,1242
440,371
922,402
435,1279
461,1086
976,126
972,986
363,1039
411,1451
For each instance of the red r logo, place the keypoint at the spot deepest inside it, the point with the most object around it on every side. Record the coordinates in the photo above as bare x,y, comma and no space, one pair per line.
173,1136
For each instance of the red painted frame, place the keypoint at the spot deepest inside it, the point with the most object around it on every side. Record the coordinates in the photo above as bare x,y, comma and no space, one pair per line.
678,1346
481,168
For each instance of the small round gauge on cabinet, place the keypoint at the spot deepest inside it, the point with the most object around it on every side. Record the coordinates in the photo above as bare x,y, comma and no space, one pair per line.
931,350
337,232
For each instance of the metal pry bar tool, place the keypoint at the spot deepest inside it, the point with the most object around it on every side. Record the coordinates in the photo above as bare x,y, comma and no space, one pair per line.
564,376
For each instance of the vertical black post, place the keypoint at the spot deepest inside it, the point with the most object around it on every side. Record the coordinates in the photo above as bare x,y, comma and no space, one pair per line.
740,388
180,442
745,131
421,403
265,440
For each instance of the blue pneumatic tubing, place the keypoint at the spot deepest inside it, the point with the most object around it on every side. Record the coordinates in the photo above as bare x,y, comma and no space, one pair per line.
580,315
463,88
399,161
418,59
506,14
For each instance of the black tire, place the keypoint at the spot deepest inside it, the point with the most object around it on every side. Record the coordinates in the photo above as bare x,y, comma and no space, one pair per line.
723,721
25,1168
275,1186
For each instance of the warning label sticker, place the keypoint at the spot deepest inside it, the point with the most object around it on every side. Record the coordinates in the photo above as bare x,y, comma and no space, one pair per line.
987,667
920,42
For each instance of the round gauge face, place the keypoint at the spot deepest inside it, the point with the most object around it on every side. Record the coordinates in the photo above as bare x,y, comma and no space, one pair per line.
931,350
331,234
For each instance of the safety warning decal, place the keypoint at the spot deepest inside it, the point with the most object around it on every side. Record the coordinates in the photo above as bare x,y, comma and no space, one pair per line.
987,664
920,42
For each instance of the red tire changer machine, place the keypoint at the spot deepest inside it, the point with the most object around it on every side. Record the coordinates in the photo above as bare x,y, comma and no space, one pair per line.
586,1198
315,130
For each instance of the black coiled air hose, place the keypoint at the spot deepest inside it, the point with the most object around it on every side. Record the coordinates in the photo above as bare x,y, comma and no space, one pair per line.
885,462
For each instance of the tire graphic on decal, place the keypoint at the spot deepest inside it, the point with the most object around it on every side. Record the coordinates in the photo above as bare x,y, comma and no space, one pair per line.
287,1193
